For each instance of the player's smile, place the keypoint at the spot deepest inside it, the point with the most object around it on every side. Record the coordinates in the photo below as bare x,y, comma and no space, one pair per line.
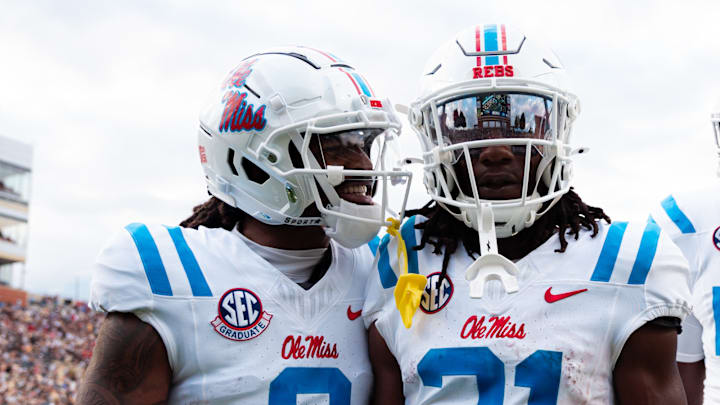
356,192
352,156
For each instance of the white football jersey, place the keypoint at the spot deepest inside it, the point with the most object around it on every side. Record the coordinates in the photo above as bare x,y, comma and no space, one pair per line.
237,330
555,341
693,222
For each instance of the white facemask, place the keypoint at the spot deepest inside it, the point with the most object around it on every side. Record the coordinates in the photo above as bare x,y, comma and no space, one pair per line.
352,233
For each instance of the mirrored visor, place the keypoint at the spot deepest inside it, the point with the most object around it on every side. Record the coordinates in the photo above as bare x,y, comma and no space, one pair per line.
496,116
348,142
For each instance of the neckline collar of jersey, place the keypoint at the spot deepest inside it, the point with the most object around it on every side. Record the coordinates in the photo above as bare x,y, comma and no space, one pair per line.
329,277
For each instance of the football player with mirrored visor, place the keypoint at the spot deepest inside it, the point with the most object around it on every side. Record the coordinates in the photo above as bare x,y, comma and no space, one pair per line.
515,291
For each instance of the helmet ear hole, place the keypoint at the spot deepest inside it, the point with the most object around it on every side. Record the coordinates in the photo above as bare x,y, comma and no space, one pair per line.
253,172
231,161
295,157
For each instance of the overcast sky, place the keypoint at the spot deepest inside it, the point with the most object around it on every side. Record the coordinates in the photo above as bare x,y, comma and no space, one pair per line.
108,93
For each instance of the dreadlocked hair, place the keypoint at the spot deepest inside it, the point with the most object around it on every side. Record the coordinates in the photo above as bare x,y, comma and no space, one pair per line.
568,216
214,213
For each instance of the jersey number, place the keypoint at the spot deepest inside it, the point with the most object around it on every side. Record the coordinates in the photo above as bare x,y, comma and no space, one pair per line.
540,372
309,380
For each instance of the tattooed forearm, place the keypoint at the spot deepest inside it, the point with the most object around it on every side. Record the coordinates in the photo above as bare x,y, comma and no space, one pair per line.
129,364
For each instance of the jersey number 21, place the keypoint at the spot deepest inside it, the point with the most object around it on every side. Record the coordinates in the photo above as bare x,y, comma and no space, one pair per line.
540,372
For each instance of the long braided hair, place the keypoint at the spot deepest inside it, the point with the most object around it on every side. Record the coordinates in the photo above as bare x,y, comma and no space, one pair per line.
214,213
443,231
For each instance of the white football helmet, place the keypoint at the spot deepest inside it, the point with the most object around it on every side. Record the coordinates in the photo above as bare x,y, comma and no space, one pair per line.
490,85
256,143
715,119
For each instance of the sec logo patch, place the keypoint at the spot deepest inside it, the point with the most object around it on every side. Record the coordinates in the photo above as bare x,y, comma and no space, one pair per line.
240,315
716,238
436,294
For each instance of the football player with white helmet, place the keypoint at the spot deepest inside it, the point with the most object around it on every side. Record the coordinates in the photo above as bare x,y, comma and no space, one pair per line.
692,219
525,295
256,297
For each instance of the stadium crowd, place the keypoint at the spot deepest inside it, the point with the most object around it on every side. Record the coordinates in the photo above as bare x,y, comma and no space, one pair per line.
44,349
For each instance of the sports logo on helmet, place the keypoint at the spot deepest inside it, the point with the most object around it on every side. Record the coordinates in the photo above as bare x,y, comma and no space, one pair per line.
716,238
435,297
486,40
240,315
238,76
238,114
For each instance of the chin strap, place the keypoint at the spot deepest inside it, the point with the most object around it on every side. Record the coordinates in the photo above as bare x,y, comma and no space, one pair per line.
410,286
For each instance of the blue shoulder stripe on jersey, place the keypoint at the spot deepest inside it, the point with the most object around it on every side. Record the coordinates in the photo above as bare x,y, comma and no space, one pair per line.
676,215
646,254
609,253
408,233
716,316
150,257
387,275
195,276
373,245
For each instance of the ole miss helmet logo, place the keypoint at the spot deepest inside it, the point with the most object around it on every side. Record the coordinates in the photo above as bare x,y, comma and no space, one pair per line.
490,39
240,315
436,294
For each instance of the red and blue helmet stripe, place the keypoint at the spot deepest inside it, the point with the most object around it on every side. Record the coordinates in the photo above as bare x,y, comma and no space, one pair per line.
361,85
359,82
488,36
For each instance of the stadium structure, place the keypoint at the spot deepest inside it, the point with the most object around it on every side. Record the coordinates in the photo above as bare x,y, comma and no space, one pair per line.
15,176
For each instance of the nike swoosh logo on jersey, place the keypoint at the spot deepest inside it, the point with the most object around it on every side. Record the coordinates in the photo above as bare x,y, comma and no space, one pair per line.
353,315
550,297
